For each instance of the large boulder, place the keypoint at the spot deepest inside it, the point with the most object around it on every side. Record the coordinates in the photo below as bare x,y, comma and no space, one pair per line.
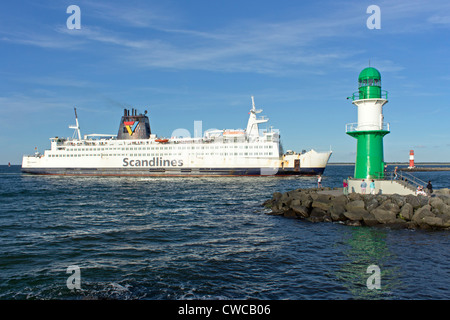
445,198
278,207
321,197
337,211
415,201
398,200
388,205
421,213
354,196
300,211
369,219
342,199
356,214
317,215
325,206
433,221
439,205
384,216
355,205
305,199
443,191
289,214
407,212
295,194
372,204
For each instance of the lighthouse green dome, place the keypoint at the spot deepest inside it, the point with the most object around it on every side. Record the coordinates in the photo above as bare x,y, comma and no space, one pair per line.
369,83
369,73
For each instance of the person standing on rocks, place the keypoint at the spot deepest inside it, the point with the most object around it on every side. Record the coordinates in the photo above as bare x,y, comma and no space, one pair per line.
429,189
372,187
363,187
345,187
319,181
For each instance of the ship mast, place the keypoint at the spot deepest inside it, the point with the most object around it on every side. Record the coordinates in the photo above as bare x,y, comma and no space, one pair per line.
252,125
77,125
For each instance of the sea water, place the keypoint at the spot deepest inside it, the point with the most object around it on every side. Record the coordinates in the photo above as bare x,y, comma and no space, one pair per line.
201,238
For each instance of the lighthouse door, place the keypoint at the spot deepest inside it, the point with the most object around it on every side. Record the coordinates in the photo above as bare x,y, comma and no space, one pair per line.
297,165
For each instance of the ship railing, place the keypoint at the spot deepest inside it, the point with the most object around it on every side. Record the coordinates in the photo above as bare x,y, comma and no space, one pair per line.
351,127
356,96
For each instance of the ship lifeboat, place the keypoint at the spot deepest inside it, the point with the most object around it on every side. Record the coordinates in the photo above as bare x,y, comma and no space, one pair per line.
233,132
161,140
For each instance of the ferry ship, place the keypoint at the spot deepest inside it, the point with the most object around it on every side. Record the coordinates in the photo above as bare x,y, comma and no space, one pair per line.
136,151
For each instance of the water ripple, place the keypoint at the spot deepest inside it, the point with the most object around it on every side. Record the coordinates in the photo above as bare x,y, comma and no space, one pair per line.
198,238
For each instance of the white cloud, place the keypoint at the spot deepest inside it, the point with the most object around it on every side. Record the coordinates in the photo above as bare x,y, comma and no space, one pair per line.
152,37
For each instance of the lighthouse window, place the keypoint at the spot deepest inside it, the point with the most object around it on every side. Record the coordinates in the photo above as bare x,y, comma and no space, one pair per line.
370,82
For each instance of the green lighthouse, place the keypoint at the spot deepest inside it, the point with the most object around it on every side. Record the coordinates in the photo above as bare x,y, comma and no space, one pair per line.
370,128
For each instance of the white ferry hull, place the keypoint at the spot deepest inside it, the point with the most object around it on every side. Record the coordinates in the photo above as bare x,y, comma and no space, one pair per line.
157,166
211,172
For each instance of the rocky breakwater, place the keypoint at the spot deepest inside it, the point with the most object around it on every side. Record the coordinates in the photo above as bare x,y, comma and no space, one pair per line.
395,211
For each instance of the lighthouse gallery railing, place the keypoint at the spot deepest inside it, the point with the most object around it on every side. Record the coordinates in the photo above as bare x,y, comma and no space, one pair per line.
351,127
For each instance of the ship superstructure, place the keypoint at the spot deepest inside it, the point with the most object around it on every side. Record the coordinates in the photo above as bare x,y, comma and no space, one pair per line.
135,150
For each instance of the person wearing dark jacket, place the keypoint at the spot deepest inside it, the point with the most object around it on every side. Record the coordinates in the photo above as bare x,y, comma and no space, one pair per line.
429,189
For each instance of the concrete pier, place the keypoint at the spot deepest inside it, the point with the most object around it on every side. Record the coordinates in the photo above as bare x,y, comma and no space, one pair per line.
381,187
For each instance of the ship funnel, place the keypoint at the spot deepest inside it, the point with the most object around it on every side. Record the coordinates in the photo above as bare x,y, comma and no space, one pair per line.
134,126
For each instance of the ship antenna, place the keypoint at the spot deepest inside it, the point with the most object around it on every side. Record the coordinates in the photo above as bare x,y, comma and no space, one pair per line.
77,126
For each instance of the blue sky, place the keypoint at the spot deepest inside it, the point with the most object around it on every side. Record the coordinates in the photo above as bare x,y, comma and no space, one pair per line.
202,60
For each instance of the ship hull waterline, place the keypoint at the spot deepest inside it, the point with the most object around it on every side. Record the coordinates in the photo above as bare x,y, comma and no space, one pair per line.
201,172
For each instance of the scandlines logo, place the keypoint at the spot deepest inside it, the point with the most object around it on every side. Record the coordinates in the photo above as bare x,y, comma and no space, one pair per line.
154,162
131,126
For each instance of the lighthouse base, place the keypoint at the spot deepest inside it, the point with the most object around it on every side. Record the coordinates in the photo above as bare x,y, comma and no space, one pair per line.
369,154
381,187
